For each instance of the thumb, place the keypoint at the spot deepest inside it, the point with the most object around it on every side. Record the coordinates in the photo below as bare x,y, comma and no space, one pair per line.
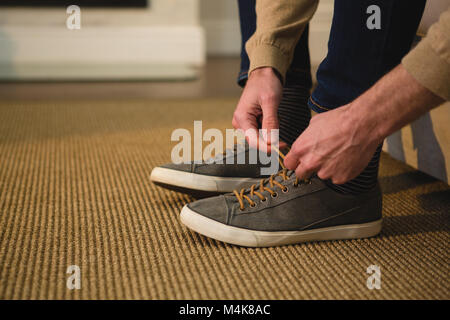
269,123
249,124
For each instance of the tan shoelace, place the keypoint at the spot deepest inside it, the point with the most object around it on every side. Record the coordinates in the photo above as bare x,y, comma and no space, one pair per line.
262,185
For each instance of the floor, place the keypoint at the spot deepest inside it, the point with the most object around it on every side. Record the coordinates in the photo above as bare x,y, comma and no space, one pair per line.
216,79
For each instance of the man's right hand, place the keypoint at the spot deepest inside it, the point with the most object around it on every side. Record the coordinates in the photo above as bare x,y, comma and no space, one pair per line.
259,102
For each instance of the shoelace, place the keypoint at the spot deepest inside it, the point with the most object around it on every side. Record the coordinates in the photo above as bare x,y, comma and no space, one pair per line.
283,173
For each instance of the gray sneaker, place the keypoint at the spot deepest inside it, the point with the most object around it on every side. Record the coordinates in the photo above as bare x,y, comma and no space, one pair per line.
284,211
210,178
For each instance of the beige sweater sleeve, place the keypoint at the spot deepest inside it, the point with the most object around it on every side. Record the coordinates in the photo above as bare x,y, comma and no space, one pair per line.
279,25
429,61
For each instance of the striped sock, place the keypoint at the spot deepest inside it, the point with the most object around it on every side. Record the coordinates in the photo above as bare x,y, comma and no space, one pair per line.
293,112
366,179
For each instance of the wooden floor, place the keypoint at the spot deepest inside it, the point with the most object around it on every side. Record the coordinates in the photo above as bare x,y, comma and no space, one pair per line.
216,79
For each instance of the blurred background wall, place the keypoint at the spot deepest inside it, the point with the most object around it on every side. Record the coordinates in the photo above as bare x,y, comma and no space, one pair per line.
162,41
158,41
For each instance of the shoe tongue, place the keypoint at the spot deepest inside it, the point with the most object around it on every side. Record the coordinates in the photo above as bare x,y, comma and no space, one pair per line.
237,148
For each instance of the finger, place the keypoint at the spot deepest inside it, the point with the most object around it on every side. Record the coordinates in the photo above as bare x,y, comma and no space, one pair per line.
270,120
269,124
339,180
249,124
324,174
269,106
282,145
291,160
303,171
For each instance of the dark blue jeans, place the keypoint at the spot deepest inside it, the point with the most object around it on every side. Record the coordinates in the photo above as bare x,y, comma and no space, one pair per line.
357,57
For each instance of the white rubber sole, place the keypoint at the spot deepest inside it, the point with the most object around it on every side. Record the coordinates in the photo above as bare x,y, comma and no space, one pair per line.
253,238
199,182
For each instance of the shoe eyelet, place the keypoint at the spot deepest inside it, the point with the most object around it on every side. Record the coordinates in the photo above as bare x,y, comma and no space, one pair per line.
264,200
274,195
254,205
285,190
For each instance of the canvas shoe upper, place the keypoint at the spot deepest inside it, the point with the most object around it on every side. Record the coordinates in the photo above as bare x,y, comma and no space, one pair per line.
222,174
282,210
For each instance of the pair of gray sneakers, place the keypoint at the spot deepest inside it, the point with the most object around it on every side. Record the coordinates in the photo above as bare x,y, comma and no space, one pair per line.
263,211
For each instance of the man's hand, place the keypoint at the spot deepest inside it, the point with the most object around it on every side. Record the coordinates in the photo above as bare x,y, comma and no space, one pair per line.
259,102
336,145
339,144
